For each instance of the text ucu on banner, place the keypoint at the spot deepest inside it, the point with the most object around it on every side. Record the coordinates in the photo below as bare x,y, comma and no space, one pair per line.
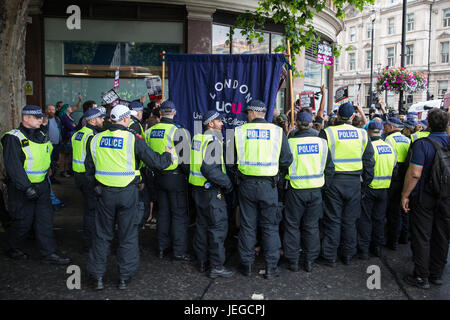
226,106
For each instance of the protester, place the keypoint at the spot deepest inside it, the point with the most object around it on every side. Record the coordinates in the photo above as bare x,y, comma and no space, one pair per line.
69,128
428,207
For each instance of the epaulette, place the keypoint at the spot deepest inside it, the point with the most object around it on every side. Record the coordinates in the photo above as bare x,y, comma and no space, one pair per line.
135,133
178,125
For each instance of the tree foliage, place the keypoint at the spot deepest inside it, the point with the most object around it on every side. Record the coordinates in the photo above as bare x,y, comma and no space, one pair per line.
296,17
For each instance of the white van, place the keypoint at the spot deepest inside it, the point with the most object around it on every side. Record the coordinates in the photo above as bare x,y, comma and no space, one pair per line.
419,107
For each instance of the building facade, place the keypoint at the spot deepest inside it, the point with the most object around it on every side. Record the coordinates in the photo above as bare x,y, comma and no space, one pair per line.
128,35
422,51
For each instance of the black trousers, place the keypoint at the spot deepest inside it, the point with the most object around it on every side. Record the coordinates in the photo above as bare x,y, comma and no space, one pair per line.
173,214
371,222
397,222
4,216
259,206
430,234
24,212
211,226
89,204
116,205
342,210
303,209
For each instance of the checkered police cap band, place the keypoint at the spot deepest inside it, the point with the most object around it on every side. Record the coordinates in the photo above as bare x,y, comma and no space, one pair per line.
257,109
126,114
211,118
95,115
32,112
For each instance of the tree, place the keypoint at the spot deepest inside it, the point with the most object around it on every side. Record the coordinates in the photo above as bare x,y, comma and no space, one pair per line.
296,16
12,63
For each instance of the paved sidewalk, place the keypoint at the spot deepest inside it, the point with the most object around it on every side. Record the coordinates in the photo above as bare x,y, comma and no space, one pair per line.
167,280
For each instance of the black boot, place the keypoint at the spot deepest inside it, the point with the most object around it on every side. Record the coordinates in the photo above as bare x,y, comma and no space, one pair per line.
99,284
220,272
123,284
272,273
246,269
308,265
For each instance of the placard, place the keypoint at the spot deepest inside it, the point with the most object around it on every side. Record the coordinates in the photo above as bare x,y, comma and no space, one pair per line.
28,88
447,100
325,54
154,87
341,94
307,100
111,97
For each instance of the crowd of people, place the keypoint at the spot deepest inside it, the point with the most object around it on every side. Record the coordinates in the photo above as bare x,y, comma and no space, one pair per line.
319,189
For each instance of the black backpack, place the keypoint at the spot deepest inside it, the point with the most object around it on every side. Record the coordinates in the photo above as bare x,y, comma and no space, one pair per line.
438,182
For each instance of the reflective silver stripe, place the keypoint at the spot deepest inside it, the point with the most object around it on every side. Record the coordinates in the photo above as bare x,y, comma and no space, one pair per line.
276,145
347,160
382,178
94,148
27,149
294,162
258,164
169,136
78,161
324,155
364,136
83,149
115,173
395,154
240,145
207,141
130,154
36,172
388,141
312,176
196,174
413,137
331,141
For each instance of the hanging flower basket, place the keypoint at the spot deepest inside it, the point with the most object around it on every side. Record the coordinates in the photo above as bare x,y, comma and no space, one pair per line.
397,79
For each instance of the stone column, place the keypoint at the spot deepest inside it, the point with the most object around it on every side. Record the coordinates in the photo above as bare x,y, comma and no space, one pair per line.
199,29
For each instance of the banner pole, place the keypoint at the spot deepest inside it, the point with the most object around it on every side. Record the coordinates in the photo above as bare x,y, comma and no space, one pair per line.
290,82
163,73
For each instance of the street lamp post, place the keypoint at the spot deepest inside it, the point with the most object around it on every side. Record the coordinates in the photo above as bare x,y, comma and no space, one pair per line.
371,62
403,54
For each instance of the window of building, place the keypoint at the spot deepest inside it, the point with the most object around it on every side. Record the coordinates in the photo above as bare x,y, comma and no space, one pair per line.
368,59
352,34
446,18
84,61
351,59
444,52
369,31
367,93
409,98
411,22
390,57
219,38
391,25
442,88
239,43
336,63
409,54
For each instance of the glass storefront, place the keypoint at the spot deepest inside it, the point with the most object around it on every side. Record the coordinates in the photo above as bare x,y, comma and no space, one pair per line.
84,61
313,73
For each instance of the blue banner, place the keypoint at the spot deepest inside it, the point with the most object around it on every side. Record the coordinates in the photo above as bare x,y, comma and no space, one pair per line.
226,83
